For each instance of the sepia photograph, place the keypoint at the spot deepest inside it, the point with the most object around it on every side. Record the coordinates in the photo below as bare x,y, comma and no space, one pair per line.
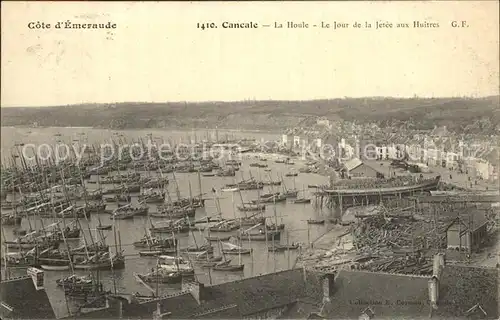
250,160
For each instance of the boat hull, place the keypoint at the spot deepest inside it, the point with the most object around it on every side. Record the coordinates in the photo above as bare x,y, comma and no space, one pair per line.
54,268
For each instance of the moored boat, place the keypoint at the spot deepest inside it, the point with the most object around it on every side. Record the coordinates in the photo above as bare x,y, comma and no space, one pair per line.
161,276
281,247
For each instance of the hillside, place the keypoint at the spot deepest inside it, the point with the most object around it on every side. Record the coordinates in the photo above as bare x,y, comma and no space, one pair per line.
465,115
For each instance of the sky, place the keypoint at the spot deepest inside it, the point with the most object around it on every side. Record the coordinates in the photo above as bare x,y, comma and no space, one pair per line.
157,53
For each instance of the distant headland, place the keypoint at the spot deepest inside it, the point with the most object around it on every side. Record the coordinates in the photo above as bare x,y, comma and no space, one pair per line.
461,115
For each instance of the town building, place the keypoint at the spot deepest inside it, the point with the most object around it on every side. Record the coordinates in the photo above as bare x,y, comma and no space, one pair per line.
322,121
467,233
355,168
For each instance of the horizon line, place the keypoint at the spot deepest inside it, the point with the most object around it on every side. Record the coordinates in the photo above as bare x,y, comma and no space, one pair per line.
254,100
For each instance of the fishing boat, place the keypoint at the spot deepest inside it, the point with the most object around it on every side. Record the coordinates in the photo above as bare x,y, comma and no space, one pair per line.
160,276
62,267
172,227
229,189
152,242
104,227
275,226
132,187
245,185
158,251
261,235
75,282
11,220
229,172
101,261
252,220
224,226
175,264
128,212
229,248
123,215
207,247
218,238
225,266
30,244
281,247
19,232
95,207
272,183
245,207
9,205
90,249
348,195
301,201
174,212
208,174
290,194
157,183
206,257
272,199
118,198
18,260
152,197
316,221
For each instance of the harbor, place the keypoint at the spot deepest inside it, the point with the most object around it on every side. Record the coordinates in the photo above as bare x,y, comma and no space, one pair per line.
146,227
122,232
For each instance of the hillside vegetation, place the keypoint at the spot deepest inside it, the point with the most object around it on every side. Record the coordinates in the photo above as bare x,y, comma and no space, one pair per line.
465,115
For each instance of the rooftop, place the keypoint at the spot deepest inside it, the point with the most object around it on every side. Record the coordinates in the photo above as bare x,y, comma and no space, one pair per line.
463,292
21,300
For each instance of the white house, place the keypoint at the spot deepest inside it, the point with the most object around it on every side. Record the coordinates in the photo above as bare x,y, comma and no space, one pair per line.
296,141
319,143
284,139
483,169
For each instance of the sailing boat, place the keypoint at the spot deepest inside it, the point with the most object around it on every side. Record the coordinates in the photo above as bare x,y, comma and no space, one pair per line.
160,275
234,249
176,264
226,266
289,193
303,199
